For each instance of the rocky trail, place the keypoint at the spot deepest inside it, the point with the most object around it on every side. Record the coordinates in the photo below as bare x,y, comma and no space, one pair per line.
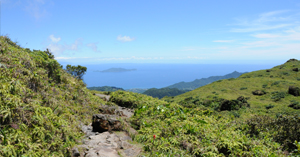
108,134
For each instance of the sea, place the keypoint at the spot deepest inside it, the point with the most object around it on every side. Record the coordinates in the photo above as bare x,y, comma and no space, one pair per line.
159,75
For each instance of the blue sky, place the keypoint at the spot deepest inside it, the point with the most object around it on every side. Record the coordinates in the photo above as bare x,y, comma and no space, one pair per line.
157,31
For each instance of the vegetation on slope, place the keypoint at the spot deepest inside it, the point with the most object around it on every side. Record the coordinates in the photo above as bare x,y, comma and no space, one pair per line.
162,92
41,105
273,110
253,115
202,82
169,129
105,88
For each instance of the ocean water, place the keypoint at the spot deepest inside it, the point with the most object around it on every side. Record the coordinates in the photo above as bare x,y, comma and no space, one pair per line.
159,75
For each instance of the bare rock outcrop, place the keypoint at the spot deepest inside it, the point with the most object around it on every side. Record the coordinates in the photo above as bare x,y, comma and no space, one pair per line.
294,91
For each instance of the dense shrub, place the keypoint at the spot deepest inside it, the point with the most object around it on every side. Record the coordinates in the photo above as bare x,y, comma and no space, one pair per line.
276,96
284,129
269,106
41,105
294,104
243,88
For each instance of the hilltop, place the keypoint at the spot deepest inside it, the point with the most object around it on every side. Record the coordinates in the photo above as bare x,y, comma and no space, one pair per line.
203,81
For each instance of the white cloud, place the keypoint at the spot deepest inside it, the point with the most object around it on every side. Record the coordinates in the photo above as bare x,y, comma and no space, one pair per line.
93,46
36,8
260,28
58,49
53,39
223,41
125,38
266,21
266,35
69,58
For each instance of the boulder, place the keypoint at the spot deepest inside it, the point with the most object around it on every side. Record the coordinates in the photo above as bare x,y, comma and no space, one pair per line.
294,91
75,152
102,123
258,92
112,110
296,69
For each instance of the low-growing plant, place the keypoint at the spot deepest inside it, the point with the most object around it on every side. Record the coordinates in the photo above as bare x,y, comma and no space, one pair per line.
283,129
264,85
275,83
276,96
294,104
269,106
243,88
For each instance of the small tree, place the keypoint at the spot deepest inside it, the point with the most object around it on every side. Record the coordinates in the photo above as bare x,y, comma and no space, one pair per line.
76,71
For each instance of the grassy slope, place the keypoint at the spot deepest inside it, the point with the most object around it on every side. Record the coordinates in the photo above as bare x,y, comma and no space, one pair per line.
40,104
278,79
201,131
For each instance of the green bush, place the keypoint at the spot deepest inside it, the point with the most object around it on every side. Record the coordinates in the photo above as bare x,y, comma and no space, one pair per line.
284,129
278,95
275,83
243,88
269,106
294,104
264,85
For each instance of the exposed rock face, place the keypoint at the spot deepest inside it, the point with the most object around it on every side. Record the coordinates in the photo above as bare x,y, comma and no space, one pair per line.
102,141
75,152
258,92
294,91
109,145
102,123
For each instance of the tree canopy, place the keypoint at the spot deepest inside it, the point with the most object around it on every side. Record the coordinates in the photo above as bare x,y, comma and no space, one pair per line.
76,71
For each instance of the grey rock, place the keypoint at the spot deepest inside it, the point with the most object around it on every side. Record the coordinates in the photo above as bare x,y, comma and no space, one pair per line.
75,152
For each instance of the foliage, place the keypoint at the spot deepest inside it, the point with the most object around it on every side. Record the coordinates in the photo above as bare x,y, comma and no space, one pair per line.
105,88
278,95
275,94
269,106
189,131
76,71
284,129
243,88
295,104
41,106
162,92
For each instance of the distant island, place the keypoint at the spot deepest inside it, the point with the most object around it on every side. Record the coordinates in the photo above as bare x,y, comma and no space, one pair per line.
116,70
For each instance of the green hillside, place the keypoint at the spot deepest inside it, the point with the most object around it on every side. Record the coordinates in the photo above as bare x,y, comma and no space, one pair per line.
274,82
162,92
223,118
203,81
41,105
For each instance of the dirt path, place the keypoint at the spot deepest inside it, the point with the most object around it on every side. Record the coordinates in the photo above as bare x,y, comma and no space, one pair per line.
108,143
